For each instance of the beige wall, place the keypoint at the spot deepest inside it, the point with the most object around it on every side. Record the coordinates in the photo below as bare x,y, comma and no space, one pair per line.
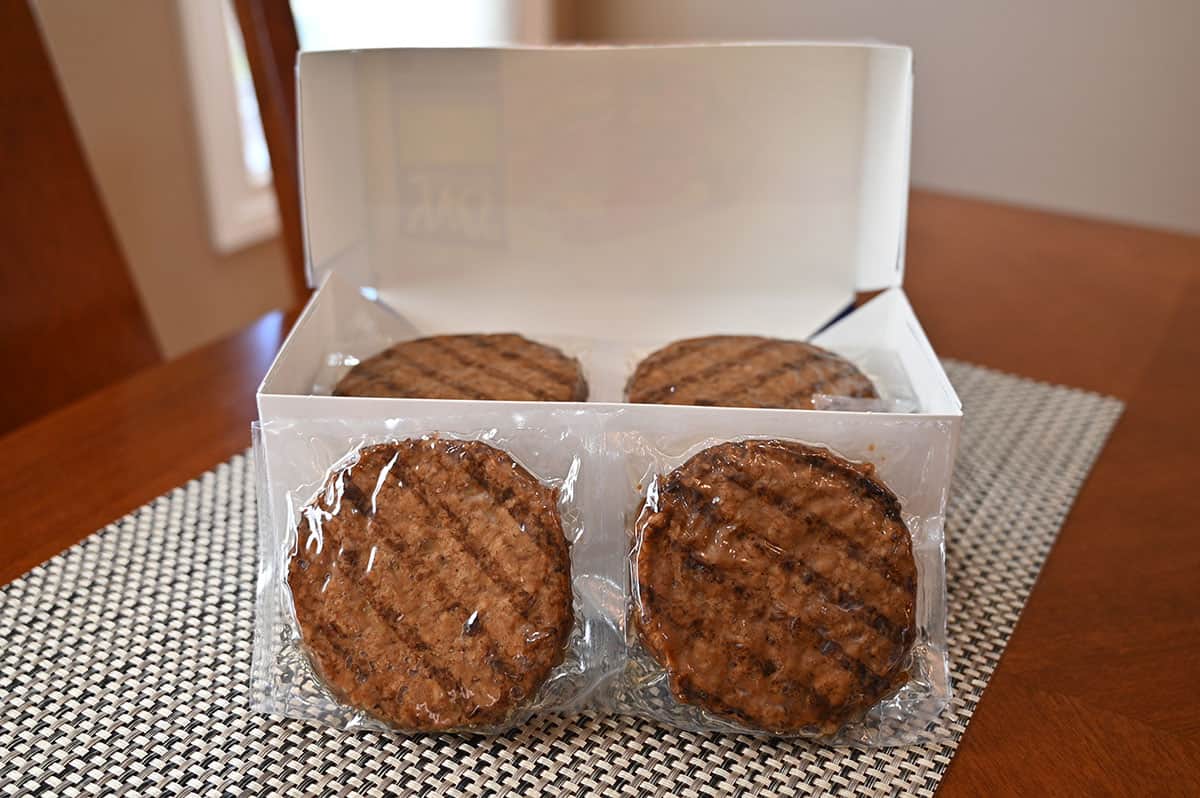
122,71
1088,106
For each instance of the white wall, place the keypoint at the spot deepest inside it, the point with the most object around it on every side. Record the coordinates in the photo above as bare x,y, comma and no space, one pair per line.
121,69
365,24
1086,106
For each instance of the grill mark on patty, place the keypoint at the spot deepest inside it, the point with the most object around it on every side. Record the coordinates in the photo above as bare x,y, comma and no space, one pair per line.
761,385
410,637
856,653
657,362
354,494
484,368
391,542
455,459
789,366
399,631
367,378
867,487
849,602
715,389
373,371
390,672
684,682
437,378
656,394
717,574
879,685
336,636
506,496
662,359
794,511
422,388
459,530
488,367
803,677
459,478
856,606
489,343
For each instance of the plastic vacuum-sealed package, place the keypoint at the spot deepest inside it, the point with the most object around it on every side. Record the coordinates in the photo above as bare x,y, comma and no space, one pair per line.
714,569
784,586
762,372
416,574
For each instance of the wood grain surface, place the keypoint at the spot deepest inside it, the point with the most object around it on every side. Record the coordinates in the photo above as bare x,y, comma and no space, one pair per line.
70,318
269,35
1096,692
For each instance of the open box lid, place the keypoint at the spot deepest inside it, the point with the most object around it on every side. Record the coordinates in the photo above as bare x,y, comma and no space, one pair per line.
675,191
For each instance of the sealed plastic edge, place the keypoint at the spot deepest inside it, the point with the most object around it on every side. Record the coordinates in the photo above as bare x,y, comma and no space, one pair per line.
907,715
284,681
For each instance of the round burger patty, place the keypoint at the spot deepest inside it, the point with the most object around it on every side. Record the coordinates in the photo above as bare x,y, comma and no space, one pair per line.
504,366
744,371
431,581
776,585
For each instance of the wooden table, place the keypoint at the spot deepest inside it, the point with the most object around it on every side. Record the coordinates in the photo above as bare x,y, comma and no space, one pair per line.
1096,694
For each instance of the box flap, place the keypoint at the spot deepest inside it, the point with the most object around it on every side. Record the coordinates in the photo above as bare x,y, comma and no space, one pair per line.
694,189
889,317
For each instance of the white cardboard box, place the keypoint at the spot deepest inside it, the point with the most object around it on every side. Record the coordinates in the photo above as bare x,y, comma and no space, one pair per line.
608,201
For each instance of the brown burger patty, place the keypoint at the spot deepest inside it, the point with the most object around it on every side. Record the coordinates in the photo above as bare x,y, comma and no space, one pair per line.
505,367
431,581
744,371
776,586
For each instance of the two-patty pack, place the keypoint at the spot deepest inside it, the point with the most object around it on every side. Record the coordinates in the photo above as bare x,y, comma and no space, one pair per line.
693,487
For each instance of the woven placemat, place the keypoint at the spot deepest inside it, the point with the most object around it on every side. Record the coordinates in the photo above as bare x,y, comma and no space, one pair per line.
125,661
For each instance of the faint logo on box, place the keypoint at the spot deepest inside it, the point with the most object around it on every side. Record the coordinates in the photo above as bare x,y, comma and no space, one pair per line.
458,205
449,157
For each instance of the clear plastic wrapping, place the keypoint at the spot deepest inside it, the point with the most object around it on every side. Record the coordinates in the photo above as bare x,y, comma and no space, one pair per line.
318,455
352,329
570,263
605,462
904,712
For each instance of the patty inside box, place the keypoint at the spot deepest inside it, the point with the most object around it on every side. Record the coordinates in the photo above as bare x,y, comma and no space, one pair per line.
714,371
494,367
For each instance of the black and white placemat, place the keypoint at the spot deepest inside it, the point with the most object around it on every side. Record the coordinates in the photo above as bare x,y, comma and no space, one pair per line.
125,661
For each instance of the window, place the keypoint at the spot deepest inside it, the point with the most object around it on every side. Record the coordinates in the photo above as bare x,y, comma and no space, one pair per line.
236,164
365,24
233,151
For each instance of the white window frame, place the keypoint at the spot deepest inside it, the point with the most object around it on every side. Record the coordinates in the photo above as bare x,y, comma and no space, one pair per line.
240,213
